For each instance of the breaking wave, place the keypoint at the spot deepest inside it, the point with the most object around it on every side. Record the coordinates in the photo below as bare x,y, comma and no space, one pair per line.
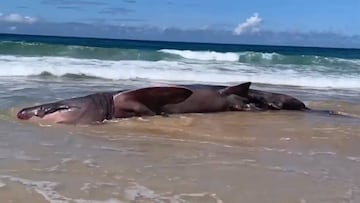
39,49
282,74
263,58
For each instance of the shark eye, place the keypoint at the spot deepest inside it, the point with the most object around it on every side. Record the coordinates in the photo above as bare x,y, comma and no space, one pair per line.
36,113
40,112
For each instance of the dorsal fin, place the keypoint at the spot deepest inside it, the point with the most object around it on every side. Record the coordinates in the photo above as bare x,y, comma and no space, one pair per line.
240,90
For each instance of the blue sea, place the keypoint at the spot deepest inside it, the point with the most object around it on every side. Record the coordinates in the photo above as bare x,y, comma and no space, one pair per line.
174,61
278,156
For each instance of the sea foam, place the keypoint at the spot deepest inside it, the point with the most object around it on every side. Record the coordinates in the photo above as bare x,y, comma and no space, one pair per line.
47,189
203,55
188,72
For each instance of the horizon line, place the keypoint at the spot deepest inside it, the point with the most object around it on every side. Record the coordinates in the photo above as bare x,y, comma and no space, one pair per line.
174,41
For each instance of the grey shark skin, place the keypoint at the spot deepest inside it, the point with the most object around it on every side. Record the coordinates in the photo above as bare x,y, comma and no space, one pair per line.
262,100
258,100
81,110
206,100
97,107
275,101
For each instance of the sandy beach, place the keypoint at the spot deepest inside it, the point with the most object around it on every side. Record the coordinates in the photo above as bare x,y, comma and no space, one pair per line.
224,157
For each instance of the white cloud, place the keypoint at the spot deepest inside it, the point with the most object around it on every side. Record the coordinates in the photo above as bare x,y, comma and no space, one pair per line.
17,18
12,28
250,25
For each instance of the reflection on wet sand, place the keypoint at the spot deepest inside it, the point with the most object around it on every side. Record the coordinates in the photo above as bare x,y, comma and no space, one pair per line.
226,157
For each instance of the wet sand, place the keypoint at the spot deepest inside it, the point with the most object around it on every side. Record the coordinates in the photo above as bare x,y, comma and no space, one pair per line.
225,157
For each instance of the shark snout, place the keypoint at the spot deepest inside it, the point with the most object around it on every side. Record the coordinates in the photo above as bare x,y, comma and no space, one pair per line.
25,114
38,111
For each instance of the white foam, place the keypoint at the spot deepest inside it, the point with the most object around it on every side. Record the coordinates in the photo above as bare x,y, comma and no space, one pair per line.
139,192
47,190
44,188
268,56
91,163
2,184
22,156
203,55
312,153
221,56
177,71
97,201
122,150
353,158
136,192
45,144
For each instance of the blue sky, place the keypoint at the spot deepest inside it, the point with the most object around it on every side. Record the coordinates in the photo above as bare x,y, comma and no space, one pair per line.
284,22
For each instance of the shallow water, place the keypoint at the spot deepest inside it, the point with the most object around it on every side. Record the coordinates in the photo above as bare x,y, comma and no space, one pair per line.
225,157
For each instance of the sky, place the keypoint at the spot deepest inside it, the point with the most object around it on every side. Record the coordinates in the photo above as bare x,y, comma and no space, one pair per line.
329,23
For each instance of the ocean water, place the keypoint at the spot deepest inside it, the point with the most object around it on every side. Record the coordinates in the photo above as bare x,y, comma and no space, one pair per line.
30,56
225,157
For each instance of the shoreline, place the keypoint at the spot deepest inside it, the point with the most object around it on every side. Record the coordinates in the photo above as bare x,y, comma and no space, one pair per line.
184,158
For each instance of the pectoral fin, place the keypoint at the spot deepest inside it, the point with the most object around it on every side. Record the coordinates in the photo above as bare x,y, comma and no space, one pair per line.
148,101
